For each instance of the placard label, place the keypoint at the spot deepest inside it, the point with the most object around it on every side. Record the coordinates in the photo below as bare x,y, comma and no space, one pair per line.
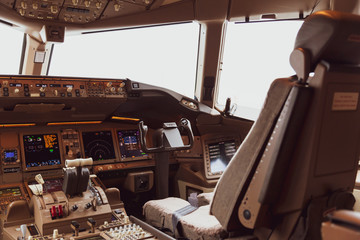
345,101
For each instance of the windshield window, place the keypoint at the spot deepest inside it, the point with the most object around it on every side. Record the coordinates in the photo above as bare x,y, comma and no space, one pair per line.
164,56
254,55
10,49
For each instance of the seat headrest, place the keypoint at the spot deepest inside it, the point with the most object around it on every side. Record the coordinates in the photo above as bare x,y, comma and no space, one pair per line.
326,35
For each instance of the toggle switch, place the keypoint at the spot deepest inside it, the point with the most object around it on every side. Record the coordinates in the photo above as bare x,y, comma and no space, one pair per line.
91,222
75,226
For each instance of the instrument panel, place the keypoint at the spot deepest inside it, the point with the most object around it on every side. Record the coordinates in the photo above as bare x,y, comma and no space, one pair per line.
10,193
34,149
52,87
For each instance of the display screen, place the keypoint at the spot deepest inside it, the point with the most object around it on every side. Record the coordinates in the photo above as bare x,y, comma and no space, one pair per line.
220,155
10,156
41,150
98,145
92,238
32,229
10,192
51,185
129,144
15,84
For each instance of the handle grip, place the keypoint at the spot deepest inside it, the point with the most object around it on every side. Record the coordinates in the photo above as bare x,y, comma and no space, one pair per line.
183,124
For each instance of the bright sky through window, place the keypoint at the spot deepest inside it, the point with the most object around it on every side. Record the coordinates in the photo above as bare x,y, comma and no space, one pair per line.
255,54
10,49
164,56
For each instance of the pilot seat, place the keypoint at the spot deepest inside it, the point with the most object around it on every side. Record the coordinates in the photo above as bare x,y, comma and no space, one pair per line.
300,159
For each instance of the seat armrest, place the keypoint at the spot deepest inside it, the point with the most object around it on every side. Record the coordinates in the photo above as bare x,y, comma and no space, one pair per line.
205,198
342,224
17,210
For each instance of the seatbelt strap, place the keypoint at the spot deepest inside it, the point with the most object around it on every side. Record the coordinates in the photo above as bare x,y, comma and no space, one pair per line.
180,213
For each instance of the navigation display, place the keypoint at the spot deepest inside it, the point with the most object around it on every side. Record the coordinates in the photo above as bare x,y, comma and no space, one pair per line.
41,150
220,155
10,192
129,144
98,145
10,156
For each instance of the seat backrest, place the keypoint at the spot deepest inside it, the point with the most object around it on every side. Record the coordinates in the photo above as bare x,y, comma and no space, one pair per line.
305,143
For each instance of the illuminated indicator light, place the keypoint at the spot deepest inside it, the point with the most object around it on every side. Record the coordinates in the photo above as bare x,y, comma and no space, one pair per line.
73,123
18,125
125,118
51,150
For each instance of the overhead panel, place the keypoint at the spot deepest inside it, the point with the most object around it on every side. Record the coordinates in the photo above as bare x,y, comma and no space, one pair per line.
39,9
82,11
140,2
117,8
76,11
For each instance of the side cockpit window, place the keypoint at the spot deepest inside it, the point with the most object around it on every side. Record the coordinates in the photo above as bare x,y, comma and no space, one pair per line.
254,55
10,49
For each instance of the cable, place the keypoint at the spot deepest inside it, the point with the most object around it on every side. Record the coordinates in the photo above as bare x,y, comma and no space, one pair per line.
315,5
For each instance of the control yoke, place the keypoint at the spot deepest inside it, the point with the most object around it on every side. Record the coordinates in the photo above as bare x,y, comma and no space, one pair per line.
168,138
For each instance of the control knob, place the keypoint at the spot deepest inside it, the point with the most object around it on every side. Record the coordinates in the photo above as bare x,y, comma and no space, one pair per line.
55,233
23,5
74,208
16,90
117,7
69,89
88,205
87,3
42,89
98,5
54,9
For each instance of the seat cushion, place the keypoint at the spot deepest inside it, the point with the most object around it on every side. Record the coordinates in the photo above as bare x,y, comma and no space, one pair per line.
201,225
196,225
158,213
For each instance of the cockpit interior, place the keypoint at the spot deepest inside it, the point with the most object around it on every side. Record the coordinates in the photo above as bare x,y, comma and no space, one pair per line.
179,119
